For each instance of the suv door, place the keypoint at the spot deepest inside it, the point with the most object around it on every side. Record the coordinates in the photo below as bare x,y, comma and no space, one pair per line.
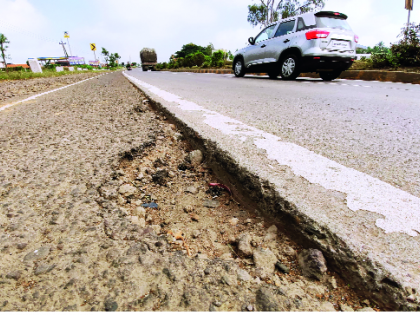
255,53
280,41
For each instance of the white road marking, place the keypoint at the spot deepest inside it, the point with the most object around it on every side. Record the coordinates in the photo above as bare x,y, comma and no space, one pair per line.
44,93
399,209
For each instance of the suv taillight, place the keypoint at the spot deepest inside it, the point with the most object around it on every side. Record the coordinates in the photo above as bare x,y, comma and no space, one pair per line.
315,34
356,38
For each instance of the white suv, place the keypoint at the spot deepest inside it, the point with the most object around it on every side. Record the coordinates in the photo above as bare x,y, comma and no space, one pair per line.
321,42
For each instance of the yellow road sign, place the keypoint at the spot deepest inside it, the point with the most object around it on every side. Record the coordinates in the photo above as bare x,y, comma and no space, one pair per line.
66,35
409,5
93,47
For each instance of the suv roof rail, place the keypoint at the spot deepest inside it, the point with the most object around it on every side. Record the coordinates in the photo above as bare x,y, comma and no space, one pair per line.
331,14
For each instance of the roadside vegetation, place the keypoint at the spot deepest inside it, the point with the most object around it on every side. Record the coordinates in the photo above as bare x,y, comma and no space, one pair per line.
24,75
403,55
193,56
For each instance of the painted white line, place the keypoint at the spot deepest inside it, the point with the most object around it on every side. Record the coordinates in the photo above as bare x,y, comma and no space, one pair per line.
344,84
355,85
399,209
44,93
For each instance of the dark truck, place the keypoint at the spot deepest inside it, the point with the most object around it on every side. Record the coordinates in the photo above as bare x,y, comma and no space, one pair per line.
148,59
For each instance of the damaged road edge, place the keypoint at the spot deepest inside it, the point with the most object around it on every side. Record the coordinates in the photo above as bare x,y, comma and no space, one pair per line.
364,275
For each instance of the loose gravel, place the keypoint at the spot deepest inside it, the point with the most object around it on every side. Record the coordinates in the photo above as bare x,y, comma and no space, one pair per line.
77,168
15,90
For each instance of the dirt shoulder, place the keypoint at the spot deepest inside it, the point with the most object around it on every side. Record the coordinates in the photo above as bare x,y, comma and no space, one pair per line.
15,90
104,206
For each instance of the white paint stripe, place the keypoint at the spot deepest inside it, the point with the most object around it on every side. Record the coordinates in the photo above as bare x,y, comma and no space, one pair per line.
45,93
399,209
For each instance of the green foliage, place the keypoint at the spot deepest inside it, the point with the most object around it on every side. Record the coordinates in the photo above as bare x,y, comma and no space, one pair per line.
193,48
268,11
217,59
405,53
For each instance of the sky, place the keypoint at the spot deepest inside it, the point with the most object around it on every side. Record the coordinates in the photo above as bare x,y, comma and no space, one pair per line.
35,27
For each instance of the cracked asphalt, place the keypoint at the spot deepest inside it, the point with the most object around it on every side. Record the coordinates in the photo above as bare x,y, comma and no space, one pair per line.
66,244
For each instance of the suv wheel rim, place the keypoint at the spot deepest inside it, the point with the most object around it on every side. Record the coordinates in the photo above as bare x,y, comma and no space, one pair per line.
238,67
289,66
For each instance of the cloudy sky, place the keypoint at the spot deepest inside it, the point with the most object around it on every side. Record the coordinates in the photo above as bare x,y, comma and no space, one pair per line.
34,27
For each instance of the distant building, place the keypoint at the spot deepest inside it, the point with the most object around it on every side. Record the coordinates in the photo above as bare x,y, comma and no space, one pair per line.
1,64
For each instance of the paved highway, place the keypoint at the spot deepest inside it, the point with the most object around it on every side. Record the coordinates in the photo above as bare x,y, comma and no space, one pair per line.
372,127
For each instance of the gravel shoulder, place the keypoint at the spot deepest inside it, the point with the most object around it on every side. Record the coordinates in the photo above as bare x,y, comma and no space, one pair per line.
104,206
15,90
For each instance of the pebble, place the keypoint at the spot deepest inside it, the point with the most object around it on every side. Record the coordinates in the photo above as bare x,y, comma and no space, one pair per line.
195,157
211,203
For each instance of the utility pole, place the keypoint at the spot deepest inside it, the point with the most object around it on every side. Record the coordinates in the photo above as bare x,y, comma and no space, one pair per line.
409,7
64,49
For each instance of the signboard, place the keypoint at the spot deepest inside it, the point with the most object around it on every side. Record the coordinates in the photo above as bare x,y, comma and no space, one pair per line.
35,66
409,5
93,47
66,35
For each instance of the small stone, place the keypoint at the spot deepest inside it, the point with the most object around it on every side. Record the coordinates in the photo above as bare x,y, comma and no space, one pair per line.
250,308
248,221
289,251
43,268
243,275
313,264
37,254
21,245
333,283
134,219
188,209
149,218
191,190
15,275
265,261
233,221
195,157
282,267
127,190
345,308
142,223
195,217
366,309
160,177
244,245
211,203
196,233
140,212
156,228
366,302
327,307
111,306
265,301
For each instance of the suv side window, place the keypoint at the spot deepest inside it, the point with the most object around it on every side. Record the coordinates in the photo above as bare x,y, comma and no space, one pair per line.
302,26
285,28
265,34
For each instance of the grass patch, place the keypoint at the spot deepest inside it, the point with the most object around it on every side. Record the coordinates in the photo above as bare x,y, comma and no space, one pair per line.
24,75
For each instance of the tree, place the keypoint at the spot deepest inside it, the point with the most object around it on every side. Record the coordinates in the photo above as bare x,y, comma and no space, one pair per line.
105,53
193,48
268,11
113,59
3,48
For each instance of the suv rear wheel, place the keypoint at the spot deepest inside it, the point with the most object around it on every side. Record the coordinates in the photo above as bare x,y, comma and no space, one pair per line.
239,68
289,67
329,76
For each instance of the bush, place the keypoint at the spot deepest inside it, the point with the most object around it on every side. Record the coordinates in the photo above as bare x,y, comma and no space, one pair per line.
218,58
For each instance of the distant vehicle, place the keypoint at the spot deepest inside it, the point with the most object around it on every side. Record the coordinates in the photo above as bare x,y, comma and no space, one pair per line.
321,42
148,58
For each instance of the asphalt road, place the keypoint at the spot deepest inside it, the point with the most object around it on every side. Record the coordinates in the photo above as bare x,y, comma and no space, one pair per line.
372,127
